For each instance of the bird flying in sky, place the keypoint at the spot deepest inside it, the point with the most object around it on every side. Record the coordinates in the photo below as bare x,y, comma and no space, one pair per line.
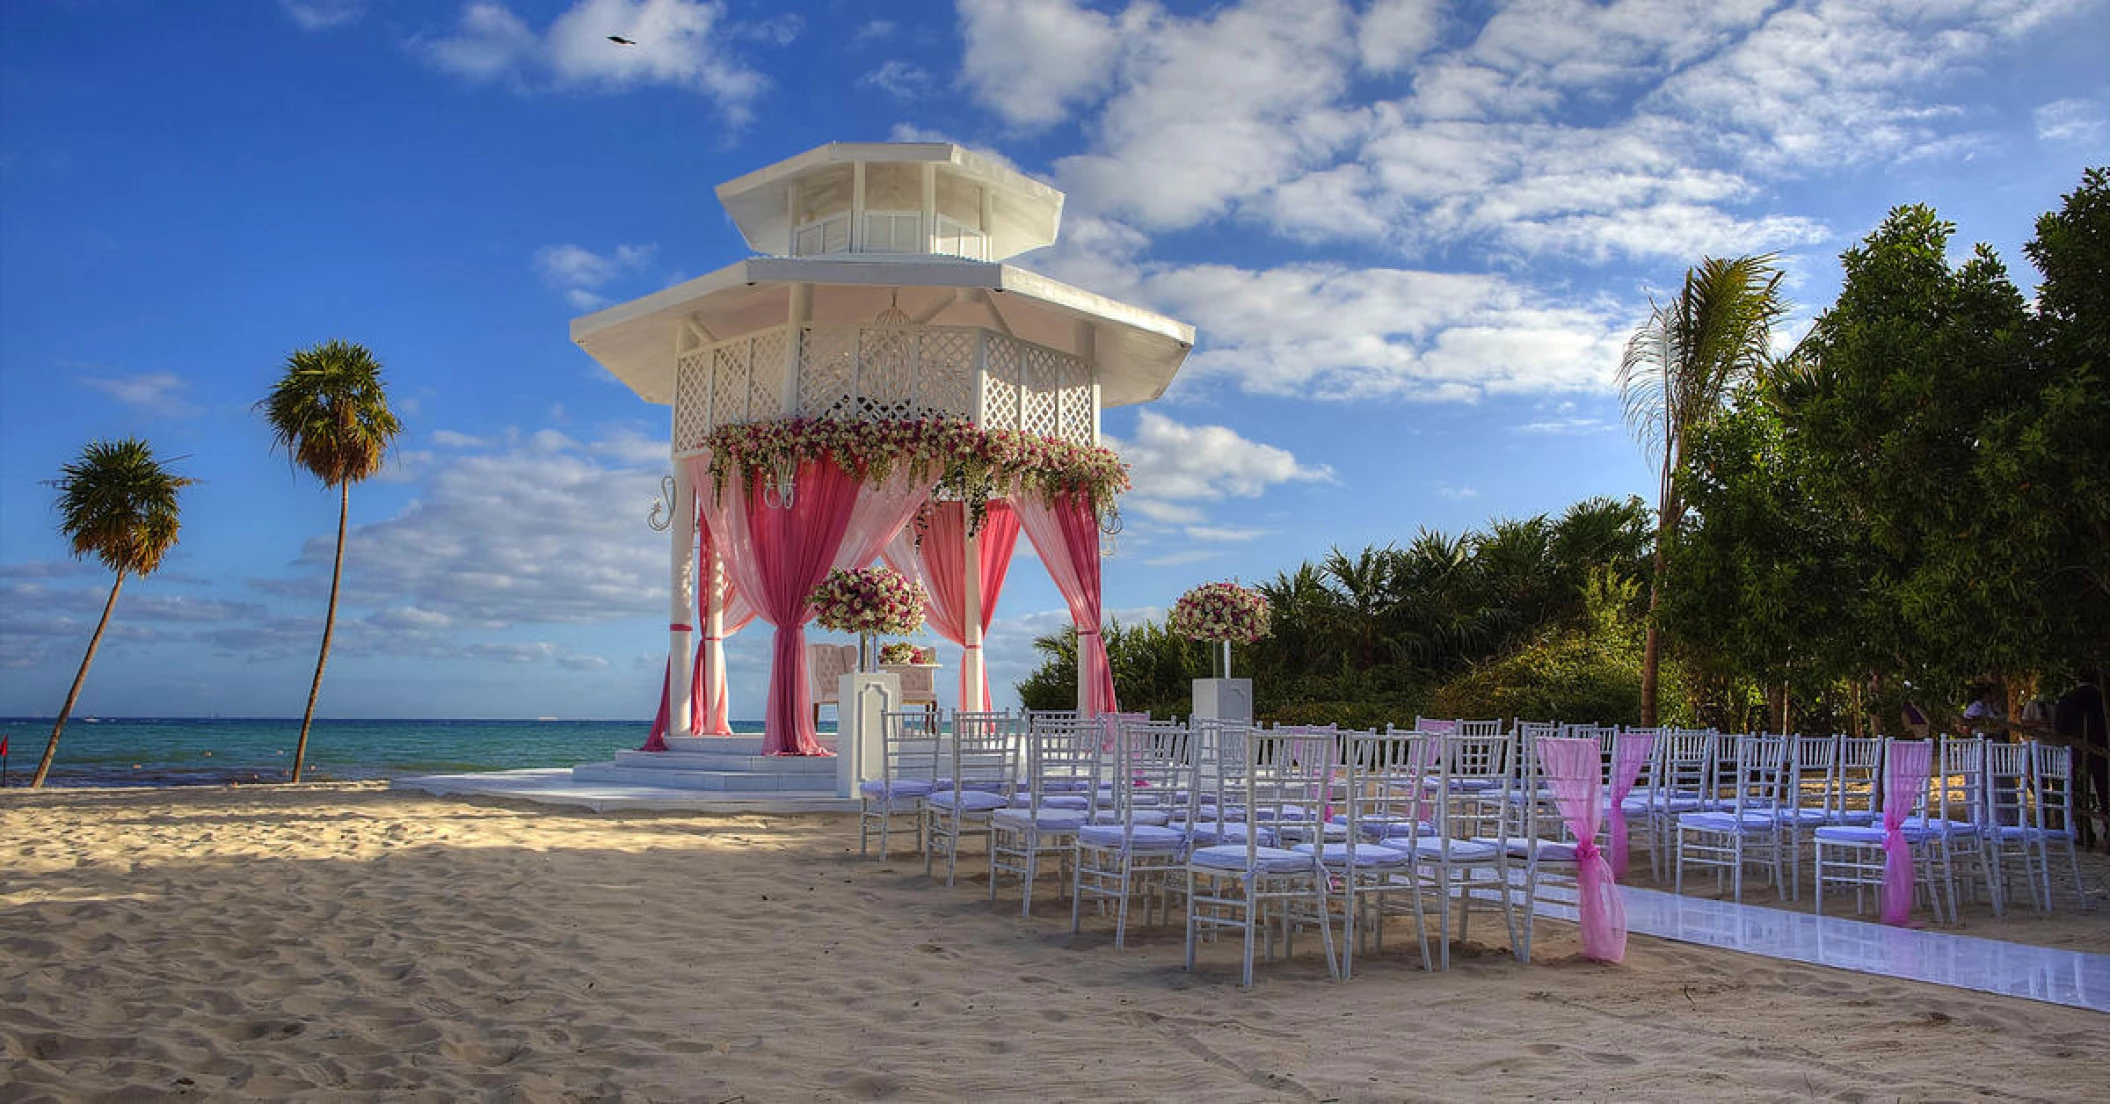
620,40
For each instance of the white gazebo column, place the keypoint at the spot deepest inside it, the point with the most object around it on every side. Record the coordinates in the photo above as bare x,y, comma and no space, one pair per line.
713,657
681,603
971,698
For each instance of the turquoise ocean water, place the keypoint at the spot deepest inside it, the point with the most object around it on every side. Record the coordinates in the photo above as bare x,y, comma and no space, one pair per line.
215,751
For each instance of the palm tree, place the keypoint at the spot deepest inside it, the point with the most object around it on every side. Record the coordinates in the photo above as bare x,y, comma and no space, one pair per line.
330,413
1678,369
119,503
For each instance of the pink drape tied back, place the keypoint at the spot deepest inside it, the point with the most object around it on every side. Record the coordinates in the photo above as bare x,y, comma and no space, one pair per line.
1629,752
1065,532
1906,765
1574,769
939,563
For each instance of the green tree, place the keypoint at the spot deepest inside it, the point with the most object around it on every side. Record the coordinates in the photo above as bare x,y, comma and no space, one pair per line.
1678,368
1899,383
2052,453
329,412
117,503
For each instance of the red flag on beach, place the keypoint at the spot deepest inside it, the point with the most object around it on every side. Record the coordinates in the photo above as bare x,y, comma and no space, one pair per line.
3,745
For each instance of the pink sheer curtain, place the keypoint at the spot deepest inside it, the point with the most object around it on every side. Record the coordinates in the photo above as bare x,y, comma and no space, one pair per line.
1065,532
708,707
939,564
774,557
1629,752
1575,771
1905,767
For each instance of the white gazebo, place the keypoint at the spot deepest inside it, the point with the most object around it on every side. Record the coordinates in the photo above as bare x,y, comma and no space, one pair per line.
878,294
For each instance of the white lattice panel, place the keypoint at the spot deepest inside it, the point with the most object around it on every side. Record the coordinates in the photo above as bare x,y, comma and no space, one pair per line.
886,373
729,381
1040,382
765,381
692,398
1000,390
945,375
827,372
1078,416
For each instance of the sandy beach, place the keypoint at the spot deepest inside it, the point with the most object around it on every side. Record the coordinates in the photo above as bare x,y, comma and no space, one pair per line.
349,941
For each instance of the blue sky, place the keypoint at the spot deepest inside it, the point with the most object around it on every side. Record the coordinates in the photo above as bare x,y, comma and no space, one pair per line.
1413,237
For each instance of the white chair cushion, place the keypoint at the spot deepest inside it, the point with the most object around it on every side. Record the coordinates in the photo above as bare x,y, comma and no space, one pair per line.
1266,860
1153,817
1143,837
966,801
1517,847
1719,821
1279,813
900,788
1466,851
1865,834
1937,825
1207,833
1065,801
1050,820
1369,854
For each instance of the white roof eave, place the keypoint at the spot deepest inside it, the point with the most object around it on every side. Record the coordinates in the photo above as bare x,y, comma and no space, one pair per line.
635,340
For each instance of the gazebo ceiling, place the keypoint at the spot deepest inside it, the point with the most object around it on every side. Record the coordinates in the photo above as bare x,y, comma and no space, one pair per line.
1136,351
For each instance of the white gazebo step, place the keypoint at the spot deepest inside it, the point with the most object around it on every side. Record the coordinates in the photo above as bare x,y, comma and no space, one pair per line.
722,781
730,745
811,765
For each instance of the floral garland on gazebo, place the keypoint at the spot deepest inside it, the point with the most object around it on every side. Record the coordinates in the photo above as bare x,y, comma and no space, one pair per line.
961,459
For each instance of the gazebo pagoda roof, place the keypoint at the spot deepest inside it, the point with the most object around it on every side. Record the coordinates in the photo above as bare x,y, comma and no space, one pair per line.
1136,351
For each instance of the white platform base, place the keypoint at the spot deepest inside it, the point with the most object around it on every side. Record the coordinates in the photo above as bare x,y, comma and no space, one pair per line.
559,786
1223,700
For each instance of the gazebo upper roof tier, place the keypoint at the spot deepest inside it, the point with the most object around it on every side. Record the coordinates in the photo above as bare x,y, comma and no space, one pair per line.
938,196
1134,353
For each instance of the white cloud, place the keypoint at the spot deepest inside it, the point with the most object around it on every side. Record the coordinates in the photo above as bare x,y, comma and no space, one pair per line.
1031,60
1395,32
156,393
1172,462
488,43
1569,129
1208,111
578,272
1333,332
1184,557
2079,122
471,548
677,43
323,15
447,438
1224,534
900,79
1456,494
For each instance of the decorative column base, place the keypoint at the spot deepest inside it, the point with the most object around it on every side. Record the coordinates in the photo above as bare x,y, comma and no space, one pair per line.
860,728
1223,699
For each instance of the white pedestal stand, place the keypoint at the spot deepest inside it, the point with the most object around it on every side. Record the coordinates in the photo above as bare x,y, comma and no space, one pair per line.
860,728
1223,699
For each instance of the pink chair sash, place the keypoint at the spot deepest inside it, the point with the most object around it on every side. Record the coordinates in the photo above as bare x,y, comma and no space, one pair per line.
1906,765
1574,769
1629,752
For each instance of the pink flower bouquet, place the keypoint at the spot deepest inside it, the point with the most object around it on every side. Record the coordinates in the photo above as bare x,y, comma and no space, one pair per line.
1220,612
868,601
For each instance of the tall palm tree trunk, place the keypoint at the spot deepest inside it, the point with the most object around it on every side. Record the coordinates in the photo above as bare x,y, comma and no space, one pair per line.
51,749
1652,646
329,626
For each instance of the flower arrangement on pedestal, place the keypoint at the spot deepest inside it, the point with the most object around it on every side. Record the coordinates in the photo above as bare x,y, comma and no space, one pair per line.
902,653
1220,613
961,460
868,601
